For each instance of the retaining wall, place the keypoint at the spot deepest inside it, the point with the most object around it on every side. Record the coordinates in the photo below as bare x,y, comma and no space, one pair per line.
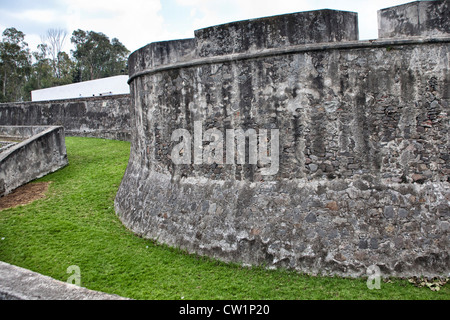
99,117
41,151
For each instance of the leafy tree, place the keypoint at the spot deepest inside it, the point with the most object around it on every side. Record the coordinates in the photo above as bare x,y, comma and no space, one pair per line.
95,56
52,66
98,57
65,67
42,71
15,64
119,58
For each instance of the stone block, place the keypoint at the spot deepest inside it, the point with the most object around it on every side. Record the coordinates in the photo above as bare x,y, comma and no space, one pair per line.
277,31
418,18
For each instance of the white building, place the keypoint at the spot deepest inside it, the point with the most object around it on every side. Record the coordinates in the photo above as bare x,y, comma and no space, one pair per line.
92,88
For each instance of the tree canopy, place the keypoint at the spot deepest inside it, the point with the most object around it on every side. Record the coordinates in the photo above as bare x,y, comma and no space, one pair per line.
21,71
15,63
97,56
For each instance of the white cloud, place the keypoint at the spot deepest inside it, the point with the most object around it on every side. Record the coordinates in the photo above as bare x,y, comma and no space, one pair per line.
368,17
33,41
138,22
213,12
134,23
39,16
203,13
269,7
193,2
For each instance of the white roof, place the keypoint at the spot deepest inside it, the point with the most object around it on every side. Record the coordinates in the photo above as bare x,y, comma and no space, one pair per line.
99,87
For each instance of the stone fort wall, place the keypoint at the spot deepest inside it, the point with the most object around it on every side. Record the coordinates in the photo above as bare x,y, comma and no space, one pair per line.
352,141
99,117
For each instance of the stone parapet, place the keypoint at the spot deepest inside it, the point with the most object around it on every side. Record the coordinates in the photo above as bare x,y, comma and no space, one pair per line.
418,18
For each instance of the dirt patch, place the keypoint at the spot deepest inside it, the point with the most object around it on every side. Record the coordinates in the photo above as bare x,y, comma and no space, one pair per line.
24,195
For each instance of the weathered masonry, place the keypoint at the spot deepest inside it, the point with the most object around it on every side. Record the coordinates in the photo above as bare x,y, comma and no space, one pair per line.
364,136
99,117
28,153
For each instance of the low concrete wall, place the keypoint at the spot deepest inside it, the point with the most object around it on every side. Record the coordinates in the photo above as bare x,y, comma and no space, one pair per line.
43,151
20,284
98,117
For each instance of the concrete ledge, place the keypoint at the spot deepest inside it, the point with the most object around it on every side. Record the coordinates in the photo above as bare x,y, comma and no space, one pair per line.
43,151
271,52
21,284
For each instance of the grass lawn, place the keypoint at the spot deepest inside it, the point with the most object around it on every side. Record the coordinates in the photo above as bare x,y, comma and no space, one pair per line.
76,225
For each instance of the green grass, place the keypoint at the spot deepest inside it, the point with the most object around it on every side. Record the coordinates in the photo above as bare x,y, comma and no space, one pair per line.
76,225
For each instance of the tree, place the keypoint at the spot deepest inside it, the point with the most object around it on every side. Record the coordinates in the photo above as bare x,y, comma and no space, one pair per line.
98,57
55,39
119,58
65,68
42,71
15,63
95,56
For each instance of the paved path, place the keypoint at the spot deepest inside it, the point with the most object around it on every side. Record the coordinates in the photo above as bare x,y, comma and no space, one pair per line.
21,284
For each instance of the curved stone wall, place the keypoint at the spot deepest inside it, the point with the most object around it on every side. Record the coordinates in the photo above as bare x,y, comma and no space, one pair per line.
38,151
346,160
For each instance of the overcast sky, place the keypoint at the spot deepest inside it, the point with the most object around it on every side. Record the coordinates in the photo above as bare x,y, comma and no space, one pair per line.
138,22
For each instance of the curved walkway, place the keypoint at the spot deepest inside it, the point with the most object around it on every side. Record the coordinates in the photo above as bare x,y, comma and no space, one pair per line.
21,284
